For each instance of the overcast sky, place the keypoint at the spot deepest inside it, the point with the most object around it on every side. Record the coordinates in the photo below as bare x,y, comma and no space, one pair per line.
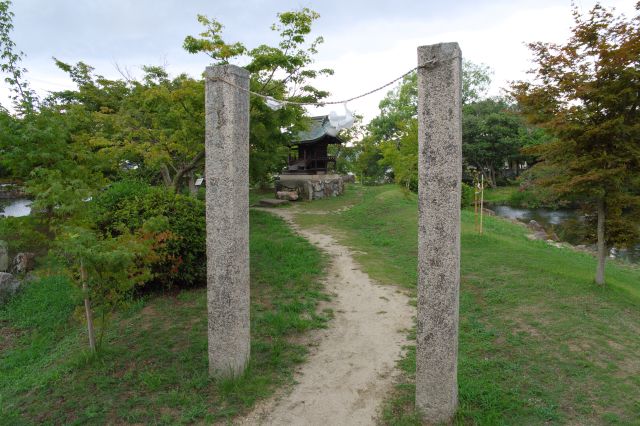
367,43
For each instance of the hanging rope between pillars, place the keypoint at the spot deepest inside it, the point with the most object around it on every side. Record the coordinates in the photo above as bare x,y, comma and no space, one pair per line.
286,102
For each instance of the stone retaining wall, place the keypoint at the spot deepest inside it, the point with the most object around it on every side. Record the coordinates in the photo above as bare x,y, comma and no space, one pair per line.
312,187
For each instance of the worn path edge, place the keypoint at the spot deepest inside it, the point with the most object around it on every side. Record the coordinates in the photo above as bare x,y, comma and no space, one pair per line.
350,372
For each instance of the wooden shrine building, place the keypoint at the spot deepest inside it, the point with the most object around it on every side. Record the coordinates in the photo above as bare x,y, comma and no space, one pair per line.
309,151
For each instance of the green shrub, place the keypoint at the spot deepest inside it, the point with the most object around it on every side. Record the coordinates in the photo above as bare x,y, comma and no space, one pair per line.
466,199
181,259
24,234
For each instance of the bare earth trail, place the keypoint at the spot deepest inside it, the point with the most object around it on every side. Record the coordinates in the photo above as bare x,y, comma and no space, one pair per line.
349,373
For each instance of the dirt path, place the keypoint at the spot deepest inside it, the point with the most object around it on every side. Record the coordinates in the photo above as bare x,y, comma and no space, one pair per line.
348,374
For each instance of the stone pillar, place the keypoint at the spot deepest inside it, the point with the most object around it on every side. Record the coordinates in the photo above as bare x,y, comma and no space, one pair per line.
227,201
440,174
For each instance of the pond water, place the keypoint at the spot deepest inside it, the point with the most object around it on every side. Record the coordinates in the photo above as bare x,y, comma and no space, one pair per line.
555,219
544,217
15,208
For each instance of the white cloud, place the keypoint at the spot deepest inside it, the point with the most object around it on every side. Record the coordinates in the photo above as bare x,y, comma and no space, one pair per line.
366,44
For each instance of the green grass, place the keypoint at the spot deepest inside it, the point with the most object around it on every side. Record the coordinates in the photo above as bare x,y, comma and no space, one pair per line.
152,368
500,194
540,343
255,195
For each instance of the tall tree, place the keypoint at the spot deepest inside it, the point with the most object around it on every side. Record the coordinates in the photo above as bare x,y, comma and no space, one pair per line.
492,135
586,93
24,98
401,104
283,72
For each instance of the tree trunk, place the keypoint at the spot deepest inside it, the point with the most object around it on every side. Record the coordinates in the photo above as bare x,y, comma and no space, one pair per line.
166,175
602,246
176,182
87,308
193,190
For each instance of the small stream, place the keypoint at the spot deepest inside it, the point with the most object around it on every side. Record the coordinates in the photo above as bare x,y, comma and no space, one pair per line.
555,220
15,207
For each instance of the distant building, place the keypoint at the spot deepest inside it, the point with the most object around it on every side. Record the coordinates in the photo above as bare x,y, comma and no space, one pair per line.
309,151
308,172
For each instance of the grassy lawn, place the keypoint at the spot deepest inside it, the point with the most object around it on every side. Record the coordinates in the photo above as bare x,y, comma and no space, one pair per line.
500,194
540,343
153,366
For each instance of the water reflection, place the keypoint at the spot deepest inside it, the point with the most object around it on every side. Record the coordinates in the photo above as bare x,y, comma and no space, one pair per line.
542,216
555,220
15,208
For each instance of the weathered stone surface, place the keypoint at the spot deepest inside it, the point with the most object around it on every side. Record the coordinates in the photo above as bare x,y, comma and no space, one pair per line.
227,201
4,256
287,195
23,263
349,178
535,226
312,187
9,285
272,202
439,170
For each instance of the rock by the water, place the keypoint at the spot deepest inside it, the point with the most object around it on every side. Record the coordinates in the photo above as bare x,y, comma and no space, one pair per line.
23,263
535,226
4,256
287,195
9,285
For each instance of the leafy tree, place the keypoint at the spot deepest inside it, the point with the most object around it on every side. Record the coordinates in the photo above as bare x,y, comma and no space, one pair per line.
154,126
492,135
282,72
476,79
106,270
127,205
24,98
401,104
402,156
586,93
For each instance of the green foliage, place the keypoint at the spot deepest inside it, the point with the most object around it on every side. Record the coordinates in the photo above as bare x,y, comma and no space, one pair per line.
586,94
107,269
154,366
283,72
397,109
467,195
24,98
492,134
401,155
211,43
152,128
126,206
539,342
24,234
368,165
59,171
476,79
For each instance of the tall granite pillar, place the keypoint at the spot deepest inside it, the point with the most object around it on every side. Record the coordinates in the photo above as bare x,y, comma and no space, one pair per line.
440,174
227,201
